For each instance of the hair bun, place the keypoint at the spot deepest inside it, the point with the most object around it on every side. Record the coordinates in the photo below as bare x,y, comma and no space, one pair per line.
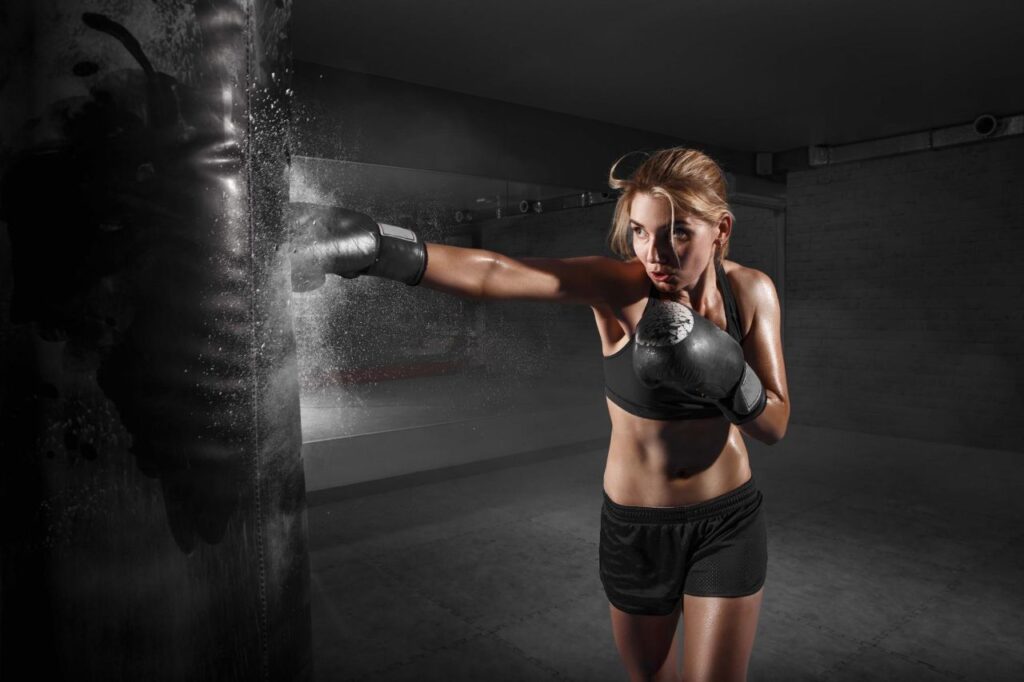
626,166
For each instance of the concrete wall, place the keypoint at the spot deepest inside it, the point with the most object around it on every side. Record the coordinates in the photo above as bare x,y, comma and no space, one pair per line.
358,117
904,293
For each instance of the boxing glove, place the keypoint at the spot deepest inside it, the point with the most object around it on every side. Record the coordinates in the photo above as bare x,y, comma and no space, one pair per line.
333,240
675,346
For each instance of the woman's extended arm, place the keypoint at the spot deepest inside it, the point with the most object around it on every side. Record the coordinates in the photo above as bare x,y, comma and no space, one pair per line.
482,274
339,241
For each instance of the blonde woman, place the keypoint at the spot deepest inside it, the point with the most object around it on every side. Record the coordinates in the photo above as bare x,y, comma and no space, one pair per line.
692,360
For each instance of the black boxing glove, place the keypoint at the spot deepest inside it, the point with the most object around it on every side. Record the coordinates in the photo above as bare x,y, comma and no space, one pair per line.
329,239
677,347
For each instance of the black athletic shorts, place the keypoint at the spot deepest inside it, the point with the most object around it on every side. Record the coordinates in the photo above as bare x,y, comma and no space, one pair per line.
651,556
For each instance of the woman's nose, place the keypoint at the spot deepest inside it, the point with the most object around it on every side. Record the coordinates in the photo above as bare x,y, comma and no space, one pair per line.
656,253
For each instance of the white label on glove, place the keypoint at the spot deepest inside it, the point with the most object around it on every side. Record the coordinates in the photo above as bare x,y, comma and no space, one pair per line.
665,323
397,232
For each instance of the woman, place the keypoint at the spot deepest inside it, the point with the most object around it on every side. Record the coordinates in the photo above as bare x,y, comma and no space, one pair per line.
693,356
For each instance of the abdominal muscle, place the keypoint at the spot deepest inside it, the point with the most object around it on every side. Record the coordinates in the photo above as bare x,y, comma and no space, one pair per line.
655,463
658,463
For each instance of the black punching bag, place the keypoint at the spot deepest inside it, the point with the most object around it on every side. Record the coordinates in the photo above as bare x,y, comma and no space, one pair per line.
151,491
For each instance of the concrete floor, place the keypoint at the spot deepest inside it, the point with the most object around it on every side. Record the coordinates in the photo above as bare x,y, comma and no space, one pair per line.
889,559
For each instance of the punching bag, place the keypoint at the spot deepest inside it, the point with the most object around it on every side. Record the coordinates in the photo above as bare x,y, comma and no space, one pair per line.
153,501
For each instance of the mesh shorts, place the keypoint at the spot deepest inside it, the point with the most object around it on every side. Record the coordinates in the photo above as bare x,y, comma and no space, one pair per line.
651,556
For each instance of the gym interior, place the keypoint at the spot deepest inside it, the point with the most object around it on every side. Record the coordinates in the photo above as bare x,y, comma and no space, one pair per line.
380,482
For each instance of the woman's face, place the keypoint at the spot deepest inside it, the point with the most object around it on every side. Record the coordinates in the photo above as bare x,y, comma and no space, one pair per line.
694,243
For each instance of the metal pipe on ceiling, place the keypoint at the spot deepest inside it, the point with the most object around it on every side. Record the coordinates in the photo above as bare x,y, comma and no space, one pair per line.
985,127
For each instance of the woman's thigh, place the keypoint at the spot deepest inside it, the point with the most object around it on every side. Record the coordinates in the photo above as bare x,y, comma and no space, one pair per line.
647,645
719,636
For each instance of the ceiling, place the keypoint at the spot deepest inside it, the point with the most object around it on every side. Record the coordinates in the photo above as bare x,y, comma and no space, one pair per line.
752,75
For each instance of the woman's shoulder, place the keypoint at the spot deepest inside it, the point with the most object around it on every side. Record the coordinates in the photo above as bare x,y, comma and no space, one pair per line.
745,279
624,281
754,290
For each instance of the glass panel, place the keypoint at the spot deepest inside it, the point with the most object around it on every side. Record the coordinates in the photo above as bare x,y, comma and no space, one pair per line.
376,355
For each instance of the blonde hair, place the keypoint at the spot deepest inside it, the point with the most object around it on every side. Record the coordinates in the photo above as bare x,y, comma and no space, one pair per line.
691,181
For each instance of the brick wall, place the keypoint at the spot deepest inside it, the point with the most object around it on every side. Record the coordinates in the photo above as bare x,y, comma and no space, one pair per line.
904,287
754,241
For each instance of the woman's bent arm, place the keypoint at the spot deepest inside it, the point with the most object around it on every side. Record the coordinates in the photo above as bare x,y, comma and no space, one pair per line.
763,350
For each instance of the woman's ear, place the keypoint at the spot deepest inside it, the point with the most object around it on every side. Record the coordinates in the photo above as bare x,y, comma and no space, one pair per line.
724,229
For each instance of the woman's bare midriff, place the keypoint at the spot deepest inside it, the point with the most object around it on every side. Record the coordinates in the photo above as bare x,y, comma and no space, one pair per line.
654,463
658,463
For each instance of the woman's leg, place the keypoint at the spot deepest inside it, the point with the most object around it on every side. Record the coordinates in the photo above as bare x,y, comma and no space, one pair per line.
719,637
647,645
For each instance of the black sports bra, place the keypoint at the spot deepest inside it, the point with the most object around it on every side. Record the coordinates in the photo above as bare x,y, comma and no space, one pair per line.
625,390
